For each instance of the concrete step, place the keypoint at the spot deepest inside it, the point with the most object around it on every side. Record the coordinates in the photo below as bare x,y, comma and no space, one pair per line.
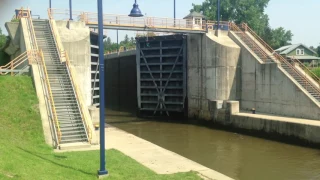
72,145
70,121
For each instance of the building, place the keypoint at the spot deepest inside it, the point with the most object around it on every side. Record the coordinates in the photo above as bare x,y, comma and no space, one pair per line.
300,52
195,20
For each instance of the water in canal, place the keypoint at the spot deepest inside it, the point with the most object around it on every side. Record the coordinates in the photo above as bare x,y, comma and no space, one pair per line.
235,155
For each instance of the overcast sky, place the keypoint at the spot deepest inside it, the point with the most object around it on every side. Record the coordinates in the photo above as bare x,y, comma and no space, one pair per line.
301,17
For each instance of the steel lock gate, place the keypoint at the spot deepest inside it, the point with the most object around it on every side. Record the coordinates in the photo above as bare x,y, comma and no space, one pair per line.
161,74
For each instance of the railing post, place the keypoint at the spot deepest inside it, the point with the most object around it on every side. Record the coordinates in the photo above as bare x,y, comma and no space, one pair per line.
11,68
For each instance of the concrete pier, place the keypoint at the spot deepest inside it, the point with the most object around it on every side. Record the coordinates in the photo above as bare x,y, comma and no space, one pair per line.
227,113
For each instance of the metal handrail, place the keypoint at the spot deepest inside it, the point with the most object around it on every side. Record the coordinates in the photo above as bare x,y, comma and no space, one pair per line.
80,101
234,27
305,68
31,29
278,56
256,36
64,54
46,80
35,56
14,63
56,37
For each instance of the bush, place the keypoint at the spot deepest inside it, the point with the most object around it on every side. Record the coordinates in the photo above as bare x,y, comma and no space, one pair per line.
4,58
316,71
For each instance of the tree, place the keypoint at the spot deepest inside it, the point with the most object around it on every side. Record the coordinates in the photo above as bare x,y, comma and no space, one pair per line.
4,58
3,39
249,11
280,37
127,43
318,50
126,39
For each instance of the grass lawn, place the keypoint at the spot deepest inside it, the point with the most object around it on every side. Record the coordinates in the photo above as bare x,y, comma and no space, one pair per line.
24,154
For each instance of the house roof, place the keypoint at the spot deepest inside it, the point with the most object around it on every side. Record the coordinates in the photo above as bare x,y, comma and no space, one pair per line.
287,49
305,57
194,14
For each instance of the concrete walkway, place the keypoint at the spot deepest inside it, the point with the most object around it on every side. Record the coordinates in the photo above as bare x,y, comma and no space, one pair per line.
155,157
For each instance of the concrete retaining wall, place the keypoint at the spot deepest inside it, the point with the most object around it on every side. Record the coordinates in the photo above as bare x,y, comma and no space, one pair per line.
270,89
213,72
14,31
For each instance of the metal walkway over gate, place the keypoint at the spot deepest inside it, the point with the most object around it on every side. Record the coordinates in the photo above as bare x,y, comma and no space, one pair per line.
124,22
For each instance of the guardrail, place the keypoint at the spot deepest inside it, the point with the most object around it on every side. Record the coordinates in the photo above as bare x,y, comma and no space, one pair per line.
223,25
12,65
47,84
278,56
80,101
62,14
143,22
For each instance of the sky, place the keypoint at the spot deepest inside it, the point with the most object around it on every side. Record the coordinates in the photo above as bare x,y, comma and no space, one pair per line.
301,17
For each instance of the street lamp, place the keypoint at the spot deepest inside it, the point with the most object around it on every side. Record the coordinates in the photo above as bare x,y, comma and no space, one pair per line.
102,171
174,12
174,9
50,4
70,5
135,12
218,17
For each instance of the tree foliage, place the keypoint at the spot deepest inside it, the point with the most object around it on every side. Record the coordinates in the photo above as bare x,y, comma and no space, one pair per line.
127,43
4,58
3,39
251,12
279,37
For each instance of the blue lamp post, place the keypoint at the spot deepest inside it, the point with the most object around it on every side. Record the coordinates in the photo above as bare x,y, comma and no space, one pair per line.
174,9
50,4
70,5
102,171
174,12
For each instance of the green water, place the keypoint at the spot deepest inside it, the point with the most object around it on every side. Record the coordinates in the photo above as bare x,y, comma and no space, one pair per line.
235,155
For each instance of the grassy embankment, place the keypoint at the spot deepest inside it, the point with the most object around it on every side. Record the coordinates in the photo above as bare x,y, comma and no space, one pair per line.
24,154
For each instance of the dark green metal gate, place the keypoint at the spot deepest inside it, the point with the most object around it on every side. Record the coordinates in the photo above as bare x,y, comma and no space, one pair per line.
161,74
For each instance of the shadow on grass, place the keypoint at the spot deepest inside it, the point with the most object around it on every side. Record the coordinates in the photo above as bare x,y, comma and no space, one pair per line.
55,163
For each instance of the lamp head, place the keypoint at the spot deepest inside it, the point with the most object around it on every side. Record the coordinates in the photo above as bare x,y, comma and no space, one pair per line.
135,12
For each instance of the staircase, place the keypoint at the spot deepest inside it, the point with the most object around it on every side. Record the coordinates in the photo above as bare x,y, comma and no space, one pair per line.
66,105
313,90
285,64
253,46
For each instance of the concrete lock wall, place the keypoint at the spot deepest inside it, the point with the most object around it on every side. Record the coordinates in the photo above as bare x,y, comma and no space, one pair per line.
269,89
121,82
75,37
213,72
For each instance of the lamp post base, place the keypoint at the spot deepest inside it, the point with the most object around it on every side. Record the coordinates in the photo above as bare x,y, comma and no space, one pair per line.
102,174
